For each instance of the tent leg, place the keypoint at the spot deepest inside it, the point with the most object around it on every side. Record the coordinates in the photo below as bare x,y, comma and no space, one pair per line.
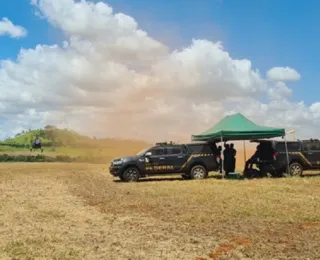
287,154
244,152
222,160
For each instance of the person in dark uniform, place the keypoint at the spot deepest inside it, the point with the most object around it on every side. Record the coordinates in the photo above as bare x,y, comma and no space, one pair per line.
254,158
233,153
219,151
227,160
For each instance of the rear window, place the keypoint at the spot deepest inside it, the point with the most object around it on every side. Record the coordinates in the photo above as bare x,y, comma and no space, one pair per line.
200,148
292,146
312,146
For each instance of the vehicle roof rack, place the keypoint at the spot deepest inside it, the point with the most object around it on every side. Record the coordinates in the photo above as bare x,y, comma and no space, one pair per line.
161,143
165,143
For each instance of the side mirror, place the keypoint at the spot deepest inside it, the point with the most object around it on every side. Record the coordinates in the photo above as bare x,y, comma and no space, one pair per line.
148,154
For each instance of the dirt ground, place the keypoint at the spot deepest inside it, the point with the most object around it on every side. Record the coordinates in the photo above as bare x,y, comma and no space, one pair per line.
77,211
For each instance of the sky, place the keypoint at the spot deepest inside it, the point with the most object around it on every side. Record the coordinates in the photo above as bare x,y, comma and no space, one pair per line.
158,69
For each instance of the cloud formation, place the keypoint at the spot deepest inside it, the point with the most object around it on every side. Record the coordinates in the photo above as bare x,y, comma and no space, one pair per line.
110,78
283,74
8,28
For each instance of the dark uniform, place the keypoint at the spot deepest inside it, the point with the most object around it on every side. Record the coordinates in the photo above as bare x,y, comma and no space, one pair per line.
219,150
254,158
233,153
227,159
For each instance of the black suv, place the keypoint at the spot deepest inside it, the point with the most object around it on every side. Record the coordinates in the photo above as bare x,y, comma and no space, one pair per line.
191,161
302,155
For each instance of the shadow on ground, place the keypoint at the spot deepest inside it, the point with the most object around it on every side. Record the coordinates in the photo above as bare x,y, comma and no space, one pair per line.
217,177
173,178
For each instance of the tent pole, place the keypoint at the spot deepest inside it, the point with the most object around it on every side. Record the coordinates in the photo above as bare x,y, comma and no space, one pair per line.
222,160
287,154
244,152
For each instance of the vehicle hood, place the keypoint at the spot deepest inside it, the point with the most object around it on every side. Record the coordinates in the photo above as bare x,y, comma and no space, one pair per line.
127,158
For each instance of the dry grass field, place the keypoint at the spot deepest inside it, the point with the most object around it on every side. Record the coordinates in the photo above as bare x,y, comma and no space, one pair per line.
77,211
113,149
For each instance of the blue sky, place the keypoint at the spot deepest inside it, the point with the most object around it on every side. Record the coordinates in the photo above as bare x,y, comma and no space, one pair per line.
267,32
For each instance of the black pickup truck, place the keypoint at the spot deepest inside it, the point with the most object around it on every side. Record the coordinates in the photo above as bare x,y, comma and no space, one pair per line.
302,155
191,161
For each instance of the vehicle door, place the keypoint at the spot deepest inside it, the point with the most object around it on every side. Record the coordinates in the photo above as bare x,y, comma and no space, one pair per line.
175,158
142,160
209,154
156,162
311,151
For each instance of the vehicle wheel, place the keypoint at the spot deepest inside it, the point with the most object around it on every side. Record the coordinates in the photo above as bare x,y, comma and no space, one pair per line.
295,169
198,172
131,174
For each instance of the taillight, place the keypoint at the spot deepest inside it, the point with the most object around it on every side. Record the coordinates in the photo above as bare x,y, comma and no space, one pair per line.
275,156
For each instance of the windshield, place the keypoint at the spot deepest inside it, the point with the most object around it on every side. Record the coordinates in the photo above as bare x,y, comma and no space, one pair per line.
142,151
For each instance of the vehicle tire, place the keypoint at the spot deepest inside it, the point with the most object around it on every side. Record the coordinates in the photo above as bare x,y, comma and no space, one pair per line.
198,172
131,174
295,169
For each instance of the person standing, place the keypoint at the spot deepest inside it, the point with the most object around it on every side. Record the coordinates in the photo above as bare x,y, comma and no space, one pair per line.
233,153
219,158
226,159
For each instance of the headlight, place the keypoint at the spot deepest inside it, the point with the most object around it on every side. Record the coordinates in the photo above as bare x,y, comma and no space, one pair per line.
118,162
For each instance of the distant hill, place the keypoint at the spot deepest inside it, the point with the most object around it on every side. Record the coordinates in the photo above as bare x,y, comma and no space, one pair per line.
54,137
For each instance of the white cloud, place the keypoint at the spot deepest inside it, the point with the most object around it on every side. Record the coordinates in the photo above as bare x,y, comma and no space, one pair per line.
109,78
8,28
279,91
283,74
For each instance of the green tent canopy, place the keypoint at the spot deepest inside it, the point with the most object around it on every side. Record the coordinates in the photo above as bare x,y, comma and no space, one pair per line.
238,127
